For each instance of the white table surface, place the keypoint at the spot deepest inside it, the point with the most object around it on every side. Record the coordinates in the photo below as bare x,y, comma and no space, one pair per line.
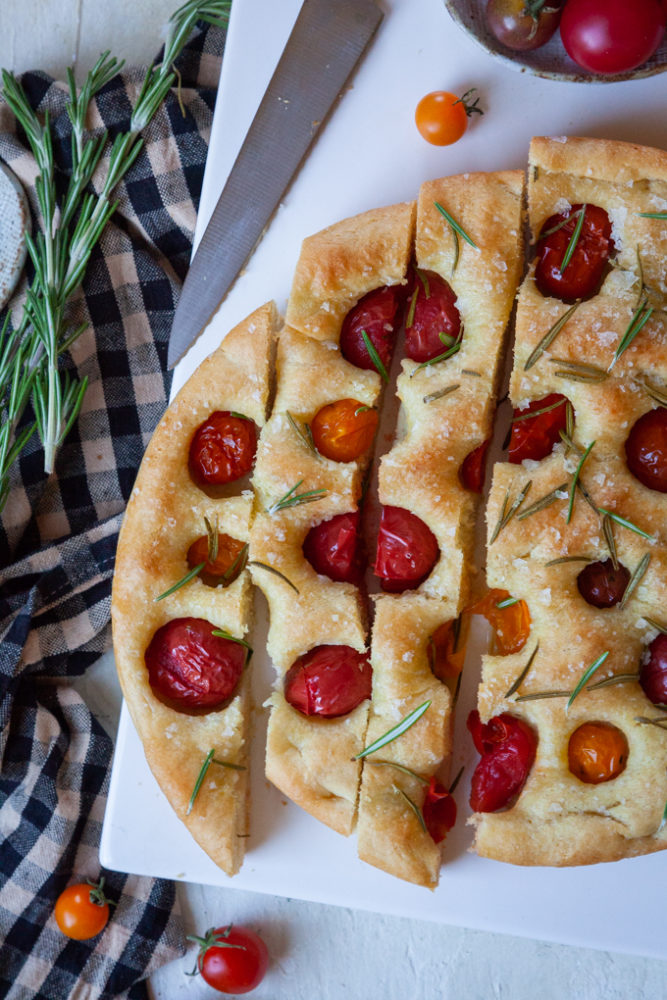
317,950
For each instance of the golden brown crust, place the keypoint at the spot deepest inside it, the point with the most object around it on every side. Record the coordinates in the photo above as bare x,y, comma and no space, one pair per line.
340,264
165,514
558,819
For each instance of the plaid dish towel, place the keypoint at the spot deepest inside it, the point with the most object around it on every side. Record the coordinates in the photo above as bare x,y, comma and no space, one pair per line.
57,547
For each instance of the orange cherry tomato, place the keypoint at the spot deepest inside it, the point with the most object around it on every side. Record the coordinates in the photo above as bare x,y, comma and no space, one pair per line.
447,648
597,752
442,117
511,624
227,564
344,430
82,910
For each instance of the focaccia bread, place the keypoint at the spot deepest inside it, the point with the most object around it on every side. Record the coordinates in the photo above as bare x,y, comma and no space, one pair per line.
598,785
447,410
165,514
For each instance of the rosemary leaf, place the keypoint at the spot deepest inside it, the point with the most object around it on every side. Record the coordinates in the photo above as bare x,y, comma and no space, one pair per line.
610,681
586,677
639,319
456,231
529,414
182,582
395,731
654,624
635,579
625,523
423,277
374,356
550,336
575,480
410,318
223,634
413,806
652,215
276,572
293,499
470,371
541,695
508,602
399,767
522,676
242,558
303,432
608,532
212,535
441,357
508,513
654,393
574,239
200,779
543,502
658,721
567,559
431,396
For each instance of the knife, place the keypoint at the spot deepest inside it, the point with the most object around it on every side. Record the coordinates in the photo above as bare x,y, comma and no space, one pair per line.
326,43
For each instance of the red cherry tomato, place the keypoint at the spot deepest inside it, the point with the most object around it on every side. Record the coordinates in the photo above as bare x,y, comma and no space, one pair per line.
519,28
442,118
344,430
407,550
232,959
534,437
601,585
82,910
433,323
611,36
334,548
507,745
328,681
582,275
646,450
377,315
222,449
226,566
473,468
597,752
190,666
439,811
653,671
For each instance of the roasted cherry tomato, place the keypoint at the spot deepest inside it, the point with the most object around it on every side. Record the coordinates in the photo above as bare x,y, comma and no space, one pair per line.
226,566
407,550
222,449
611,36
447,649
510,624
653,671
442,118
231,959
597,752
473,468
583,273
377,315
82,910
334,548
329,681
190,666
507,745
523,25
433,323
534,436
601,585
646,450
344,430
438,810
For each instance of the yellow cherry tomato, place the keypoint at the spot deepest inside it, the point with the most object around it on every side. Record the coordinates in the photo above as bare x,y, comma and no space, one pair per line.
442,118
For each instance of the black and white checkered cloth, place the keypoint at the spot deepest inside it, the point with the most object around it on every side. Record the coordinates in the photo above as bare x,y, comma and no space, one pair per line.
57,546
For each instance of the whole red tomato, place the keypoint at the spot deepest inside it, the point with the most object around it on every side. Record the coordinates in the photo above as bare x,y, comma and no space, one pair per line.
611,36
82,910
329,681
523,25
231,959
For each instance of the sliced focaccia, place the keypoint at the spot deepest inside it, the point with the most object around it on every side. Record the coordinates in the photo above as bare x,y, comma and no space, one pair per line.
447,406
577,523
180,577
311,461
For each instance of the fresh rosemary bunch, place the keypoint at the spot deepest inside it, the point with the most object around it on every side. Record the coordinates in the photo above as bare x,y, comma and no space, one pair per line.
71,225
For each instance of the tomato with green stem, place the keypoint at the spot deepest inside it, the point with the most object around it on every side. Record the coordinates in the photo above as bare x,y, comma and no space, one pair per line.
442,117
231,959
82,910
523,25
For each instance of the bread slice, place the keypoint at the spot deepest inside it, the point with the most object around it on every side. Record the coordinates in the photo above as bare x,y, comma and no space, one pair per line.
165,514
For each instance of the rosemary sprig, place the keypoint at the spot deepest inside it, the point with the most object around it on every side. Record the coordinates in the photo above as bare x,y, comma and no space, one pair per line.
395,731
574,239
208,760
72,220
303,432
583,681
625,523
610,681
195,571
575,481
529,414
456,230
577,371
398,767
293,499
413,805
522,676
635,579
543,502
432,396
652,215
608,532
639,319
276,572
375,357
550,336
653,392
508,512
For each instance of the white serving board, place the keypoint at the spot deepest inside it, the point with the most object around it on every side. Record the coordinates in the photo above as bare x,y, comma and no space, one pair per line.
370,154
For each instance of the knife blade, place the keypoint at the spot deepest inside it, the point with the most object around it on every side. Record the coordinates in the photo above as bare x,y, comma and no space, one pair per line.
326,43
